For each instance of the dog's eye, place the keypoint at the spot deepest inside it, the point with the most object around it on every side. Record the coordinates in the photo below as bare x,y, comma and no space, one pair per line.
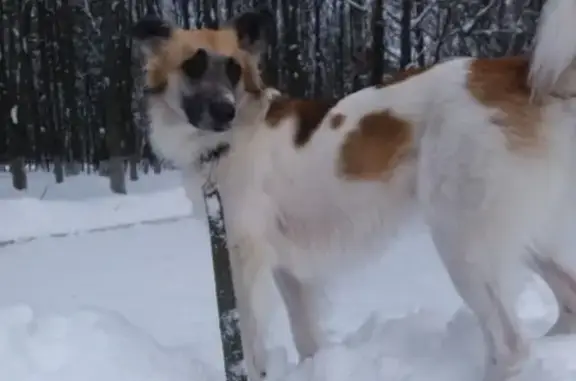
233,71
195,66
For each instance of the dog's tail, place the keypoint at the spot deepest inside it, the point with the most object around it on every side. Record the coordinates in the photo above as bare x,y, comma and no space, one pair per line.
555,49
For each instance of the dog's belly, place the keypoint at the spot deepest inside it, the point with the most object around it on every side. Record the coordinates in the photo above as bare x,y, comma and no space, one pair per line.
321,231
317,226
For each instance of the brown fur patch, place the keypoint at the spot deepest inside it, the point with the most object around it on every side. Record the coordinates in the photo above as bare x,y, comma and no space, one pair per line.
337,120
184,43
279,109
375,148
308,114
501,84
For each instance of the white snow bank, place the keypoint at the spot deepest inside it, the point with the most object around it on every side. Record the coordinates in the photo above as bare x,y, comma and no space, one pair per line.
31,217
42,185
87,345
420,347
84,203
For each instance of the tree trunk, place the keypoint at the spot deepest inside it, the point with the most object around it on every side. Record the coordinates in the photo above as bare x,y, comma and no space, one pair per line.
377,54
58,169
19,179
133,167
116,174
405,34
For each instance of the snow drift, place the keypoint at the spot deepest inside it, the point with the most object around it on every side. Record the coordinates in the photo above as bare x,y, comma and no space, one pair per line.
87,345
97,345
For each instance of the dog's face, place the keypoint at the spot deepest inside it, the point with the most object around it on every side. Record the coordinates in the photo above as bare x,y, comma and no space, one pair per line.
197,77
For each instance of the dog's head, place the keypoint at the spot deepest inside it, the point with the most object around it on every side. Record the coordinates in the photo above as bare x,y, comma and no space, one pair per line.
197,77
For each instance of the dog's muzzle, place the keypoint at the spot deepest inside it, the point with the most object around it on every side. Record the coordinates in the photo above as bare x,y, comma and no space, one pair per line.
209,114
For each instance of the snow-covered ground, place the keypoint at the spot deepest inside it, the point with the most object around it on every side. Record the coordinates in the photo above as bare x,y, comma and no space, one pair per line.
98,287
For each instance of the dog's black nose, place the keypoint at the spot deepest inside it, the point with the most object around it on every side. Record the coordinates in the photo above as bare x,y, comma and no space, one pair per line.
193,108
222,111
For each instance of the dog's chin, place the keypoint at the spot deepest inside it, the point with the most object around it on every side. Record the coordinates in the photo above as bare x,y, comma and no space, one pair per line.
208,127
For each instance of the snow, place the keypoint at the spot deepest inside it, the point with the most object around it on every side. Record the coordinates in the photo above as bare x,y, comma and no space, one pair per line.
14,114
100,287
49,209
89,345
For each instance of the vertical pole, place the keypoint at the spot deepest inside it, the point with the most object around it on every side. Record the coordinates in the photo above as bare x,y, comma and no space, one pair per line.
227,313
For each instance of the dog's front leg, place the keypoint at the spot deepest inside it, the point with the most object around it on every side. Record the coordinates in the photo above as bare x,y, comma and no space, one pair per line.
257,299
303,301
192,182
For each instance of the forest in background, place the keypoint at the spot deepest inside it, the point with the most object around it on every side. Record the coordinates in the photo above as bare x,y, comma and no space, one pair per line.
70,80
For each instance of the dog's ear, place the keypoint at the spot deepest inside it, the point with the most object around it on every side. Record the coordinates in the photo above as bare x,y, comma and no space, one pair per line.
254,29
151,32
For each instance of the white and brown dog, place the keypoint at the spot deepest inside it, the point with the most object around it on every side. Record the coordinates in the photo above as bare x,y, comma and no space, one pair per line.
483,149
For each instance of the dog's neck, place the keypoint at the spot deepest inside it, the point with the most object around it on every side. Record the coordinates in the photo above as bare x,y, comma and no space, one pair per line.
213,154
201,172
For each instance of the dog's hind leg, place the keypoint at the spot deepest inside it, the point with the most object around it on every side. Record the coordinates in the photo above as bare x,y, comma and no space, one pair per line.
480,227
561,279
552,257
555,261
476,263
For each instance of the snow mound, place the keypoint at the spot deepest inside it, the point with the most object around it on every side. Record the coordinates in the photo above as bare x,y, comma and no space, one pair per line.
422,347
553,359
98,345
87,345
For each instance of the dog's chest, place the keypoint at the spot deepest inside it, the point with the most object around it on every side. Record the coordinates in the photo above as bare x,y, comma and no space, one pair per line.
175,143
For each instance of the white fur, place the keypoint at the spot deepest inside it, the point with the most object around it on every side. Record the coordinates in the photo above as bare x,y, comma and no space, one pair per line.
552,68
293,222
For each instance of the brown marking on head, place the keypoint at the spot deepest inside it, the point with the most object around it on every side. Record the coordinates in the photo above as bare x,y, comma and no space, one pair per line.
183,44
307,113
376,147
200,76
502,84
337,120
400,76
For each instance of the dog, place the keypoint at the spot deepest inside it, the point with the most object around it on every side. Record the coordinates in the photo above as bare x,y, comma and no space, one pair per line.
483,149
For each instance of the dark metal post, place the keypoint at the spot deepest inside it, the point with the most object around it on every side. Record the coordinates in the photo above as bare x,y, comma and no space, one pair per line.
227,313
